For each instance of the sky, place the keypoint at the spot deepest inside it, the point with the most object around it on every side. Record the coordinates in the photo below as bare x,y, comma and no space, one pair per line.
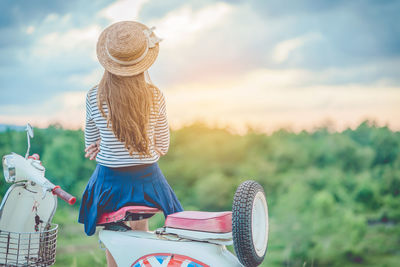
266,64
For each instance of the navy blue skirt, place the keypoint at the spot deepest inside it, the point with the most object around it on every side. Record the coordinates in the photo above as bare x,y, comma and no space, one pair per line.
110,189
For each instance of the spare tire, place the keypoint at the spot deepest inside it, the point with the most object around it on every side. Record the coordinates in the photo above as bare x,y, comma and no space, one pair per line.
250,223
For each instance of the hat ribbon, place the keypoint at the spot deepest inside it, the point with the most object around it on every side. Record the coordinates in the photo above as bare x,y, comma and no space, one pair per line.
151,42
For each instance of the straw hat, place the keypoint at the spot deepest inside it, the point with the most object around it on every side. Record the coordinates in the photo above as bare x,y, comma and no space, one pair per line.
127,48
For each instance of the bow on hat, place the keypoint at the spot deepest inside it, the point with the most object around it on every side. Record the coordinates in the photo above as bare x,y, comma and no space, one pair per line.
151,40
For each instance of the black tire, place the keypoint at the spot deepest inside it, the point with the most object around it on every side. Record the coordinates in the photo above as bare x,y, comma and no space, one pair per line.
242,231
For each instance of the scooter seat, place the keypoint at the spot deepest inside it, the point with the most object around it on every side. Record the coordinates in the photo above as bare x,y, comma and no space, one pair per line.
127,213
214,222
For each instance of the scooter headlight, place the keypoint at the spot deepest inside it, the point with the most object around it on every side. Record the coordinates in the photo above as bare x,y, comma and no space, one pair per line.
9,168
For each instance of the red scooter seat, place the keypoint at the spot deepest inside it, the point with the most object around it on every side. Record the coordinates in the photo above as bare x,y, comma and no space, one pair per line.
215,222
125,212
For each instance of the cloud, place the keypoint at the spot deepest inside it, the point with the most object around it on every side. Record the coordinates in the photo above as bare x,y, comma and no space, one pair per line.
17,13
270,99
30,29
86,80
69,42
283,49
182,25
203,43
65,108
352,32
122,10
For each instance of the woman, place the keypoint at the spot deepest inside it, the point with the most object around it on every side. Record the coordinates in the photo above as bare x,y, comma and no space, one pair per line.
126,130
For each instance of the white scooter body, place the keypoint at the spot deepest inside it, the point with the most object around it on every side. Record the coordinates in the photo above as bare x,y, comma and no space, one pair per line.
128,248
27,236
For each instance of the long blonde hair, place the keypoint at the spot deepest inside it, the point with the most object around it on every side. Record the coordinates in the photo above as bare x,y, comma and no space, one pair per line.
129,101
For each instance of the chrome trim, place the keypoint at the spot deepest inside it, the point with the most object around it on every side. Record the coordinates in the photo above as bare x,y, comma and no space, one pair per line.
55,207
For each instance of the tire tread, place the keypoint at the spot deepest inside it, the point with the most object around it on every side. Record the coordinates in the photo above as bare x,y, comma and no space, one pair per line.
241,223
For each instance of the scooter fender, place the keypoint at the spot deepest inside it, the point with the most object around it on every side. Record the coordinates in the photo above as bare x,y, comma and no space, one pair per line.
139,247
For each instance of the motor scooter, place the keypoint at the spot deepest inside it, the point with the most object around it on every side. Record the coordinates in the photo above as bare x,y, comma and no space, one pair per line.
188,238
27,236
194,238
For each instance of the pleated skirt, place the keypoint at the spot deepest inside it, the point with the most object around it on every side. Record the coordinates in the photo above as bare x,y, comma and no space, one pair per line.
110,189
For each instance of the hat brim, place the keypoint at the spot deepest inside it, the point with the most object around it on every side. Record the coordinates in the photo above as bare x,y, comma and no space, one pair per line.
124,70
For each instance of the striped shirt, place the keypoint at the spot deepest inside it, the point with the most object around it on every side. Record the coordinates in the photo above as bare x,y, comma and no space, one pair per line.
112,152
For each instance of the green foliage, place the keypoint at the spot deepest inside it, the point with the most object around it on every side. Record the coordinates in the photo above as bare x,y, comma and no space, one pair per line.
334,198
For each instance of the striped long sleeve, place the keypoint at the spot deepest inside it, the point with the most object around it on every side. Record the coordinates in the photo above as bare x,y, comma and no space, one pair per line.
162,129
92,133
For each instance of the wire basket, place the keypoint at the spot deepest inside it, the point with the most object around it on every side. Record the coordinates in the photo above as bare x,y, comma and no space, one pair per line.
29,249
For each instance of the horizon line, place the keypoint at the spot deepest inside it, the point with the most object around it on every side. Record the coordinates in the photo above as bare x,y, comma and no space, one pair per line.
245,128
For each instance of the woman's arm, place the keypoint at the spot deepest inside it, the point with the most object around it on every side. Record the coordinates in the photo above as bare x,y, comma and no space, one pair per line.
161,130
